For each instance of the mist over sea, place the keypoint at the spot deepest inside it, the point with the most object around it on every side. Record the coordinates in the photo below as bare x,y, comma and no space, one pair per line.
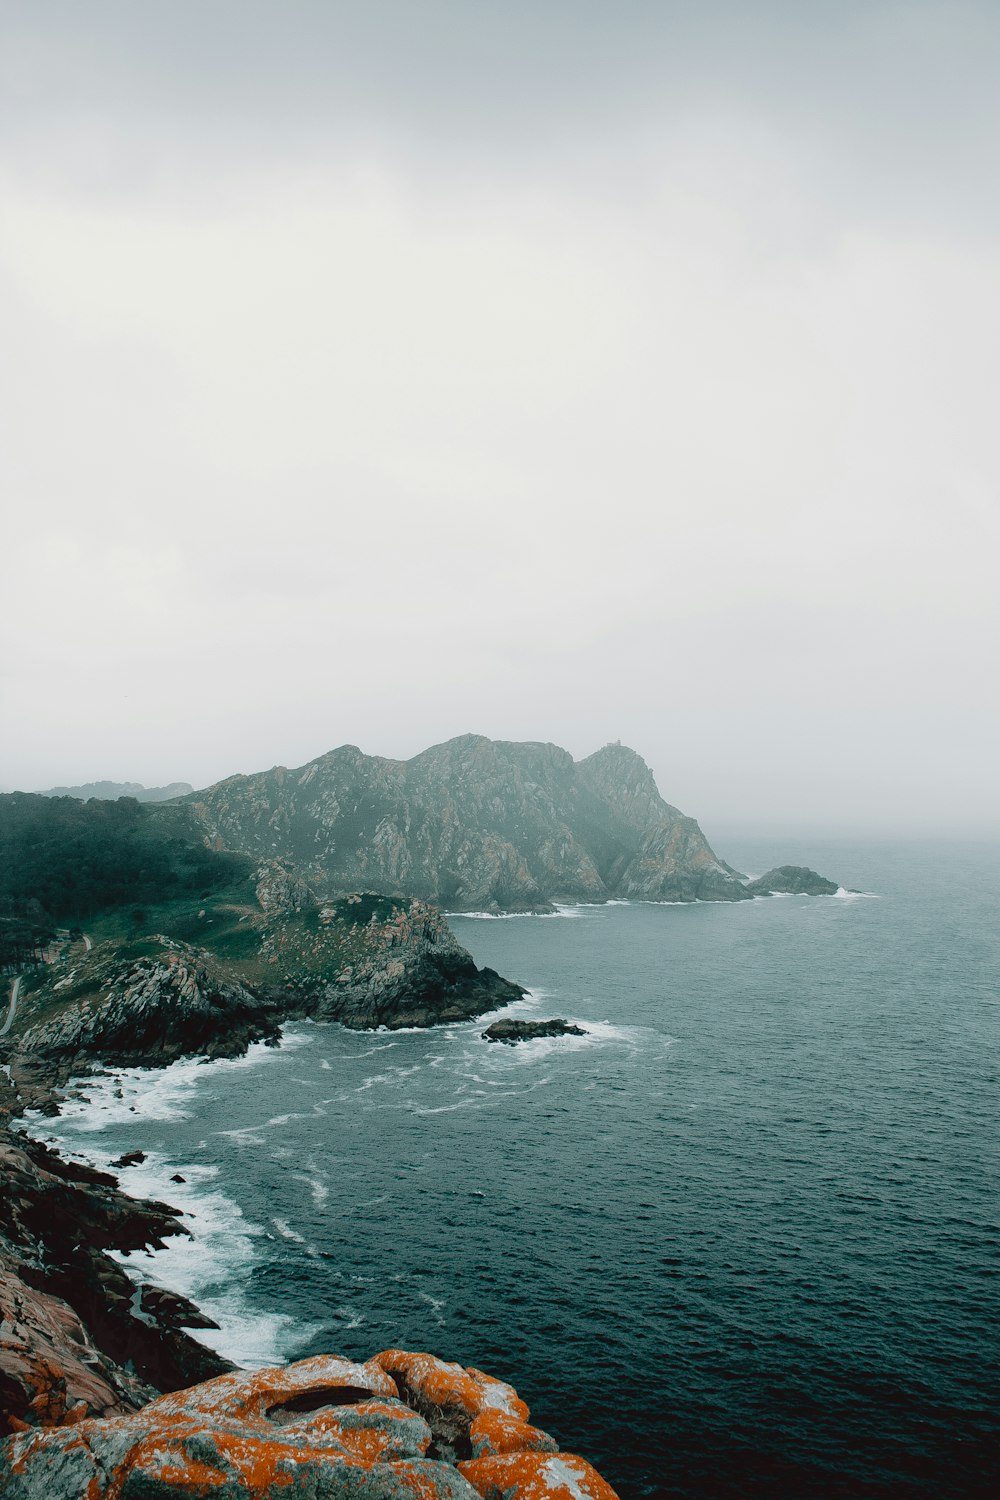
739,1240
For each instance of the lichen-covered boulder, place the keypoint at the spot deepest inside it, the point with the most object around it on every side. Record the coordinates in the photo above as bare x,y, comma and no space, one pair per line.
498,1432
449,1397
322,1429
536,1476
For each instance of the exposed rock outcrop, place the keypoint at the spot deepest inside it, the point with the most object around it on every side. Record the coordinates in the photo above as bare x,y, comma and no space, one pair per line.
414,971
473,824
512,1032
397,1427
174,1001
77,1337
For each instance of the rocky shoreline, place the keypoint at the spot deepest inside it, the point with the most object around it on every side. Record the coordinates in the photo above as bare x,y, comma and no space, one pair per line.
105,1395
79,1339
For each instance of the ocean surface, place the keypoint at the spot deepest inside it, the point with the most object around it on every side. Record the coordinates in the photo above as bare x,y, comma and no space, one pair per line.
741,1239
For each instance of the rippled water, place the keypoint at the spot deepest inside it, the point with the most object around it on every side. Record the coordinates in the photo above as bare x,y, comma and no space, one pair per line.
740,1240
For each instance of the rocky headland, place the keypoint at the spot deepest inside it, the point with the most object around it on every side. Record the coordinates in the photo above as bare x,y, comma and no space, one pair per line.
473,825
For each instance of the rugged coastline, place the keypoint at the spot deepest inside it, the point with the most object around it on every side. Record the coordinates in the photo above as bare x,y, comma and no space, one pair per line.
206,975
79,1338
199,951
474,825
103,1390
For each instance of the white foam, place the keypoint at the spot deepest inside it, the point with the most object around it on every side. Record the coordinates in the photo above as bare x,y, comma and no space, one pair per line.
211,1267
211,1264
246,1135
152,1093
317,1187
287,1232
435,1304
490,916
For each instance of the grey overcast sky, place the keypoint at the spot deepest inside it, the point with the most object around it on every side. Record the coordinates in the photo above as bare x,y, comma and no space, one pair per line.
562,370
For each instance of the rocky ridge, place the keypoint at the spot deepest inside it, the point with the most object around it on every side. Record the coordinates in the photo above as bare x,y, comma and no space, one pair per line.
109,791
473,824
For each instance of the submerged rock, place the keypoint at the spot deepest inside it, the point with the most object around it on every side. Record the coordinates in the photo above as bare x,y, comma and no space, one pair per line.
400,1426
513,1032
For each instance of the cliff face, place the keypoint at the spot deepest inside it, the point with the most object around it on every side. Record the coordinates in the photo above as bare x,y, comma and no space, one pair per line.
473,824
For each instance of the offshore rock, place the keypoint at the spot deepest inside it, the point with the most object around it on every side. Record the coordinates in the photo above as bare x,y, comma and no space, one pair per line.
792,880
512,1032
473,824
392,1428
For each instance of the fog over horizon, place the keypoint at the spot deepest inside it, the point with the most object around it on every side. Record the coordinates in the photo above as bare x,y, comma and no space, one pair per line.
377,374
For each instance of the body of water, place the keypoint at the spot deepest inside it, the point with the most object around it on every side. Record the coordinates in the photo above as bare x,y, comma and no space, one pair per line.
738,1240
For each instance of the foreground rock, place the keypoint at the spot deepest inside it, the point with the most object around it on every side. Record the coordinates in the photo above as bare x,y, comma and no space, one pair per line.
792,880
400,1426
513,1032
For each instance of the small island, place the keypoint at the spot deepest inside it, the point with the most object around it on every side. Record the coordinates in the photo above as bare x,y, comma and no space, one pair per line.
512,1032
792,880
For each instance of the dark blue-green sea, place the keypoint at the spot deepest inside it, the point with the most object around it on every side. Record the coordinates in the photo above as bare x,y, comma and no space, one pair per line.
741,1239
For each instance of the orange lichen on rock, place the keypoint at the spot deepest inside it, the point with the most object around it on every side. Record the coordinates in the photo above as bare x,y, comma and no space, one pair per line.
49,1369
450,1397
496,1432
536,1476
322,1429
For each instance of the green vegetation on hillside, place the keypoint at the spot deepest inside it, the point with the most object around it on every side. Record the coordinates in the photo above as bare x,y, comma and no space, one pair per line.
109,864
